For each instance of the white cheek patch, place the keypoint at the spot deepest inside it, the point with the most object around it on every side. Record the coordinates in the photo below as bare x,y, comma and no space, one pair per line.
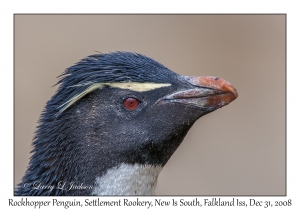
134,86
128,180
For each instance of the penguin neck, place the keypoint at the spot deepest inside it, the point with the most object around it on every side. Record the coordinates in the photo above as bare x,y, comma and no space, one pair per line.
128,179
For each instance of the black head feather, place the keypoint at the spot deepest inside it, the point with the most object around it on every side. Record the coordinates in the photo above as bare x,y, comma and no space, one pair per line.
77,143
108,68
58,155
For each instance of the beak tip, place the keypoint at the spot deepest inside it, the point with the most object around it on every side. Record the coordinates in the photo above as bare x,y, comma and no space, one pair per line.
213,83
233,91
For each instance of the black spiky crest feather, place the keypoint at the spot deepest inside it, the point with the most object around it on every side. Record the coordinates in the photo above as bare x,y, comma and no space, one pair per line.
52,142
107,68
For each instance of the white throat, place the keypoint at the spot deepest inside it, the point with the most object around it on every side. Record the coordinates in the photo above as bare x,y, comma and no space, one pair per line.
128,179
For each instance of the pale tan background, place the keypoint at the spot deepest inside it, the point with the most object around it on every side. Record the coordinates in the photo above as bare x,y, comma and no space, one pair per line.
236,150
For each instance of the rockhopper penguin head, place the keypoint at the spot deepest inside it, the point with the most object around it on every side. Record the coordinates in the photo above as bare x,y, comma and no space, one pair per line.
113,124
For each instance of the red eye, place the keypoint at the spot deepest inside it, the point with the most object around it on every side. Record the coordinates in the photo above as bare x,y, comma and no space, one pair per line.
131,103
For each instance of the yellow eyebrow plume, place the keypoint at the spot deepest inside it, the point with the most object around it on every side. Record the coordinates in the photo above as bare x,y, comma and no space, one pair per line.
134,86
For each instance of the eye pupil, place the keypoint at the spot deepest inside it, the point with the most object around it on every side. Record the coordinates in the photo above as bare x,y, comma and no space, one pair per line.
131,103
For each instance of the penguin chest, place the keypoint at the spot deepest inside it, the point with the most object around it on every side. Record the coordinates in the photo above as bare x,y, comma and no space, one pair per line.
128,179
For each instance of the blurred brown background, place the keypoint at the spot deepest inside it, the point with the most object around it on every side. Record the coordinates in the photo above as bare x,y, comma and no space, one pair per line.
236,150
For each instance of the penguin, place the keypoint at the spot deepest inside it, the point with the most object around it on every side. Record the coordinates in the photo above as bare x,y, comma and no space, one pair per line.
113,124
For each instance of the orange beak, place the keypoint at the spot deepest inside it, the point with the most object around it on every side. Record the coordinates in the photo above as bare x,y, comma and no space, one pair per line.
209,93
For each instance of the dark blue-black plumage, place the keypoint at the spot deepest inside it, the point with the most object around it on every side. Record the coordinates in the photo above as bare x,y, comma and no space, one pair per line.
58,155
97,133
112,67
